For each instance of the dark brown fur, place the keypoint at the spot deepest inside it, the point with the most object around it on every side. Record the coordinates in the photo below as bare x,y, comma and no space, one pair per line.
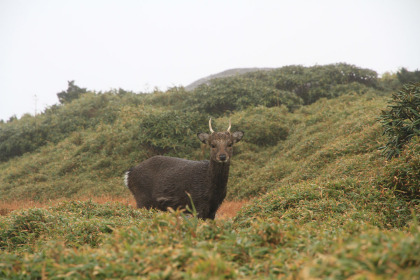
161,182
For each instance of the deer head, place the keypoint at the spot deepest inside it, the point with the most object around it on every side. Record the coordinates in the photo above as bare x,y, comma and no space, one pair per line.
221,143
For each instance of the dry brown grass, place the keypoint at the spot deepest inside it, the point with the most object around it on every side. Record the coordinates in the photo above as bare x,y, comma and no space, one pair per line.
7,207
227,210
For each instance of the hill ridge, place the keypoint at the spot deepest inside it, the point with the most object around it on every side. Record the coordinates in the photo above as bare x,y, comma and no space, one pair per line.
225,74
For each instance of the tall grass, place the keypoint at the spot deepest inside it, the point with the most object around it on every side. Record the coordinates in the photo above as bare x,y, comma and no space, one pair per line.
86,240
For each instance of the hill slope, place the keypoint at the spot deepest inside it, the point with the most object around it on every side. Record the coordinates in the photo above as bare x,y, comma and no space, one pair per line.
324,202
328,140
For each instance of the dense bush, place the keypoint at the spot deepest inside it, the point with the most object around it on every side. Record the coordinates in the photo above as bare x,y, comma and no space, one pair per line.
264,126
73,92
389,81
171,131
331,202
402,173
313,83
291,86
173,97
21,136
238,93
401,120
75,223
405,76
59,121
84,240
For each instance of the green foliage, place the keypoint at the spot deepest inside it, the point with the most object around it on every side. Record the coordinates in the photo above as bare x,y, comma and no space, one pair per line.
388,255
329,203
73,92
291,86
402,173
171,131
86,240
25,227
263,126
328,140
173,97
20,136
58,122
313,83
389,80
401,121
405,76
74,223
238,93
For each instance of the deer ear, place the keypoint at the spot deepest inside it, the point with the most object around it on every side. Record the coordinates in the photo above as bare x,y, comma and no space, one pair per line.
237,136
204,137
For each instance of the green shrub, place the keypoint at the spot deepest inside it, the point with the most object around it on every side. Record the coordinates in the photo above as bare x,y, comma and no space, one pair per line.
238,93
405,76
25,228
336,202
73,92
21,136
313,83
91,241
291,86
389,81
174,97
370,255
171,131
57,122
74,223
402,174
264,126
401,121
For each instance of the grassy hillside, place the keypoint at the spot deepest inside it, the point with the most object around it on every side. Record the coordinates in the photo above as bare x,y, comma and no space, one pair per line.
324,202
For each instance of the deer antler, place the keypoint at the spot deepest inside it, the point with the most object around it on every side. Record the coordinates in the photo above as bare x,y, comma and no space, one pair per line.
211,129
228,130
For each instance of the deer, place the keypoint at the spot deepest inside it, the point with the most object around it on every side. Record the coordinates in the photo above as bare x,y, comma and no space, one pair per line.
163,182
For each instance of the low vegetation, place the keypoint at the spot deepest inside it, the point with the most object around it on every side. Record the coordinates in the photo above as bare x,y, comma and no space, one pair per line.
401,120
323,200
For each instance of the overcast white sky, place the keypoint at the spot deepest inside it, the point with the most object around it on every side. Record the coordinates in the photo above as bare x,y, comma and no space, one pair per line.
137,45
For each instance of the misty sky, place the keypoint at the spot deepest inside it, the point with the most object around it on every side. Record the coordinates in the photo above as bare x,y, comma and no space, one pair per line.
139,45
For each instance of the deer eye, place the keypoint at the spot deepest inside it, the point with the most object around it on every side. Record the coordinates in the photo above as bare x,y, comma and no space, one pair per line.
213,146
230,145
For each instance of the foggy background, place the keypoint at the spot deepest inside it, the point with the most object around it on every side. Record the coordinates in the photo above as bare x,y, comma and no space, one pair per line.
140,45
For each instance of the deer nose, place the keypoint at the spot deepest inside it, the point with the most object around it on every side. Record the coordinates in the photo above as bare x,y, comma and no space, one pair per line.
222,157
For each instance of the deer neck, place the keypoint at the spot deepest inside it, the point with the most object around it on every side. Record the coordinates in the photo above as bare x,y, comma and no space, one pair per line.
219,173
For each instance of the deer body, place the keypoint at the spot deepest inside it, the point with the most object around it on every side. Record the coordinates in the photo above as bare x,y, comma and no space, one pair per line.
161,182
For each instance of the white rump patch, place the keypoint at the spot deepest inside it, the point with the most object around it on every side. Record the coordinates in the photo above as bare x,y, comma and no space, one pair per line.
126,178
